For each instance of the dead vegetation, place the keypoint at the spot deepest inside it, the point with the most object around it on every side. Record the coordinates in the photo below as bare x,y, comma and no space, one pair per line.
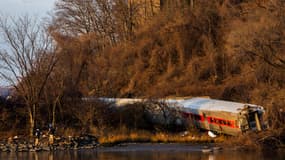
143,136
224,49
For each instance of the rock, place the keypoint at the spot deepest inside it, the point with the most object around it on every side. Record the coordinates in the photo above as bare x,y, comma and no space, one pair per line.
30,146
6,150
217,149
32,150
2,147
37,149
19,144
207,150
62,148
46,148
75,144
87,147
23,148
95,144
13,147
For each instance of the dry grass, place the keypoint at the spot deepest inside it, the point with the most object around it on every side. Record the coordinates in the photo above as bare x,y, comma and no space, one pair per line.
269,140
177,55
5,135
65,132
144,136
244,142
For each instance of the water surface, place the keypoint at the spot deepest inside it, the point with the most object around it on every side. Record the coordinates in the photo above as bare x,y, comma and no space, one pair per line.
144,152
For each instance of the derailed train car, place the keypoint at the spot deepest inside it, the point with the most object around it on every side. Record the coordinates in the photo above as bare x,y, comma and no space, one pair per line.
220,116
223,117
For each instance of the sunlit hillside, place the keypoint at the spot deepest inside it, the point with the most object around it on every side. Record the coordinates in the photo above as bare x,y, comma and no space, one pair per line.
224,49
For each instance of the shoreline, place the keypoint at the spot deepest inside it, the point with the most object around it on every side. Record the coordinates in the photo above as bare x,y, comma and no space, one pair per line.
123,147
24,144
82,145
119,142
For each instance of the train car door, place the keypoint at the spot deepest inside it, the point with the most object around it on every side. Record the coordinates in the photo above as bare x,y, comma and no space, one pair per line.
254,121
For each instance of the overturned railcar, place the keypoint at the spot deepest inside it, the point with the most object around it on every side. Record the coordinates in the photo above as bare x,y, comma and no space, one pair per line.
223,117
220,116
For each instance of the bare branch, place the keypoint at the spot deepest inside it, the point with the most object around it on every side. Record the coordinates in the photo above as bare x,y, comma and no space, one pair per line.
28,61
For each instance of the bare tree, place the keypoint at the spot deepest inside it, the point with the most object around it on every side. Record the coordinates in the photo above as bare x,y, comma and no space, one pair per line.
268,46
110,20
53,98
27,60
75,17
128,16
266,40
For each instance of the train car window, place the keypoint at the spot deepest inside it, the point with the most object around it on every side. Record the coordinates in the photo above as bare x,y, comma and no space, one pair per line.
198,117
185,115
229,123
195,117
216,121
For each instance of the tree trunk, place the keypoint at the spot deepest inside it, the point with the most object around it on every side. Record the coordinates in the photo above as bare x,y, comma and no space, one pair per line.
32,122
152,7
161,4
192,3
53,110
53,114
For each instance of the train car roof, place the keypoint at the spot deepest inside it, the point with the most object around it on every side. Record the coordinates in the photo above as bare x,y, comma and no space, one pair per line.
213,105
198,103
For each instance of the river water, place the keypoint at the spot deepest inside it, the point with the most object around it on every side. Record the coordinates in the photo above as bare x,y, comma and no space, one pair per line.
144,152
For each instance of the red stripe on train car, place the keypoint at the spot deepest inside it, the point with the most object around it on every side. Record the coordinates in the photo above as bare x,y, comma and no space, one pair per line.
211,120
221,122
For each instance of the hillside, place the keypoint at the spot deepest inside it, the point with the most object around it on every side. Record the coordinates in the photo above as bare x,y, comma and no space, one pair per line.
218,50
226,49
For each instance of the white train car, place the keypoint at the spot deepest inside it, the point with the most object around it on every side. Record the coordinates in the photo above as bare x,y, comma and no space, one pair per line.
220,116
